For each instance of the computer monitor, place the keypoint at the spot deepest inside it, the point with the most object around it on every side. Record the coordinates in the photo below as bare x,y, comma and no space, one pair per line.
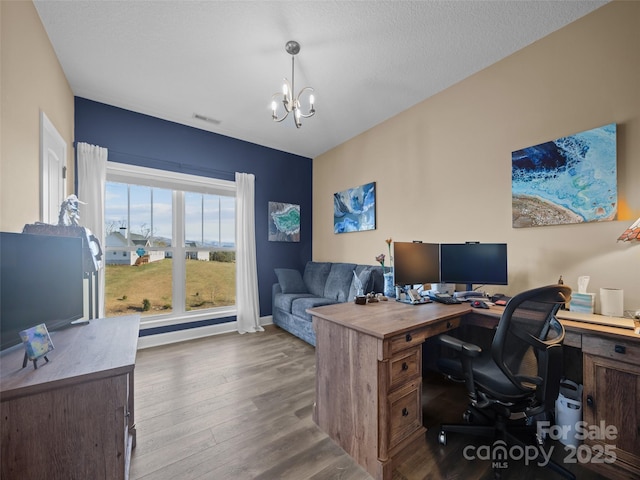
416,263
473,263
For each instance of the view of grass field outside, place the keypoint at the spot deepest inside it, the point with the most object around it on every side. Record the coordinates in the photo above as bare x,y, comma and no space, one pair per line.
139,250
209,284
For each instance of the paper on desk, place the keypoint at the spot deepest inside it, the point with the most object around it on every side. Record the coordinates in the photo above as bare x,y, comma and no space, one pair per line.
583,283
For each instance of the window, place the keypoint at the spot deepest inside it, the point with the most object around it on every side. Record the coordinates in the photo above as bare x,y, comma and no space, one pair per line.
170,243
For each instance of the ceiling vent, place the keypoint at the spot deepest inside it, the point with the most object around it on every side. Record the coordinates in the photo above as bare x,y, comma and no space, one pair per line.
204,118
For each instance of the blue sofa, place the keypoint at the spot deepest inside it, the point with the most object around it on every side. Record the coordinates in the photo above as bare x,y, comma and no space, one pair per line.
322,283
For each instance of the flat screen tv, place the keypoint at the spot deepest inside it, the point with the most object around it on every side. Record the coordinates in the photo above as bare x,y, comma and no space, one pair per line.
41,281
474,263
416,263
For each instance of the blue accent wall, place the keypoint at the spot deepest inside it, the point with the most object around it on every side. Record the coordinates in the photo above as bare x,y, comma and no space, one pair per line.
146,141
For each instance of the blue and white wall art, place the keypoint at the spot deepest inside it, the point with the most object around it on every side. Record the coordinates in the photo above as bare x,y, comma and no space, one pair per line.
354,210
284,222
568,180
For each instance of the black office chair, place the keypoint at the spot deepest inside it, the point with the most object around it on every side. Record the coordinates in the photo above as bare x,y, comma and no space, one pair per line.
518,380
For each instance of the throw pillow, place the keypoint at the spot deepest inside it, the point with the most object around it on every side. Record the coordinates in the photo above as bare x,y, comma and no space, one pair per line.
290,280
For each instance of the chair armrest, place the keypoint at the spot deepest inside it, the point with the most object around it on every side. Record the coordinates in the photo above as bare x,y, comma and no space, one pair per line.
467,349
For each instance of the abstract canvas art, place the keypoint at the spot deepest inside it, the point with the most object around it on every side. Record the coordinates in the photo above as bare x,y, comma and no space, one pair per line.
284,222
568,180
354,209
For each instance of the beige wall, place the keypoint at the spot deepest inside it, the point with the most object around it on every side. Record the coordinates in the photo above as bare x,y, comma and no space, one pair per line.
443,168
31,80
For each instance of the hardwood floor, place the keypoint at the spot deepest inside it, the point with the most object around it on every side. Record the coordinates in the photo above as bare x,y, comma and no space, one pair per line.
239,407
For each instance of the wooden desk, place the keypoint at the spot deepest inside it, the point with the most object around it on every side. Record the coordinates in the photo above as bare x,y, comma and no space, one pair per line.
73,417
369,378
369,375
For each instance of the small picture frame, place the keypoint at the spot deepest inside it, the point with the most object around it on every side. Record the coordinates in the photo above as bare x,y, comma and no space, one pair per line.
37,343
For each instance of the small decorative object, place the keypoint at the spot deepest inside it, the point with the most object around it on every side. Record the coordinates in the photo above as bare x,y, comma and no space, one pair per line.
69,211
284,222
37,343
372,297
358,284
360,300
354,210
568,180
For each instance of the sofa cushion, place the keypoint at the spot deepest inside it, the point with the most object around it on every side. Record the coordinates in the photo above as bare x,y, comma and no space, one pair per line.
377,279
338,282
300,305
315,277
283,301
290,280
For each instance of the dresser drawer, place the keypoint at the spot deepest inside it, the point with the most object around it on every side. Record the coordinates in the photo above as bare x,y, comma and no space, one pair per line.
404,366
405,412
615,349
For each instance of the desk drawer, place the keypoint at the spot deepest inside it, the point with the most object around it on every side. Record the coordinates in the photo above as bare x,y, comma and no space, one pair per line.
404,366
615,349
405,412
416,337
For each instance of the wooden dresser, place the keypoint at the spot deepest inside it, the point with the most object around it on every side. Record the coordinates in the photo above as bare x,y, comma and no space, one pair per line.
369,376
73,417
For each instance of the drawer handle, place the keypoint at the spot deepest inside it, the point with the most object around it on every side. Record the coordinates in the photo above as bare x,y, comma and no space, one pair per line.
620,349
408,338
590,401
405,412
405,366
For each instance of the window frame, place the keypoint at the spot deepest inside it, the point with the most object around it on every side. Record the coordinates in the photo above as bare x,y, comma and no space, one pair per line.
177,182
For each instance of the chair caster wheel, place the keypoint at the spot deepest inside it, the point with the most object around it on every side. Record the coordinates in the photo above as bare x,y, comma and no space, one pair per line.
442,438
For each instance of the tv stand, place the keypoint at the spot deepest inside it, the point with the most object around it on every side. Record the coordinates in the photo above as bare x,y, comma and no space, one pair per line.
73,417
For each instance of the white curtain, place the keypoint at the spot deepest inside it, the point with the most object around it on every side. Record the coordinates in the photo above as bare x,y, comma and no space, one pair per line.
247,302
92,176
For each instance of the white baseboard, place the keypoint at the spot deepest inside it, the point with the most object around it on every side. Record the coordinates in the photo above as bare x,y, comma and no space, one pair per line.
193,333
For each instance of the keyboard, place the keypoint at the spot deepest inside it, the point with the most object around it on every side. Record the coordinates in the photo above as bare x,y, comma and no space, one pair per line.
444,298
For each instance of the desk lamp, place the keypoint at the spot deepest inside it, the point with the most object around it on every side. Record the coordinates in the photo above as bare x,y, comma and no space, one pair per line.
631,233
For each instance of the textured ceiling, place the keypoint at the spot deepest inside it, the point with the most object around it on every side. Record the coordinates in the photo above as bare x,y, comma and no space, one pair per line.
366,60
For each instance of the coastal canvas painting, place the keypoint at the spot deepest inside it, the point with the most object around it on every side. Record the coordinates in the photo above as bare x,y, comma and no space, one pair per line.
284,222
568,180
354,209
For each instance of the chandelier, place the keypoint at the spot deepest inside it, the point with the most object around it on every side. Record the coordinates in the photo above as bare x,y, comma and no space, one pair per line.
290,103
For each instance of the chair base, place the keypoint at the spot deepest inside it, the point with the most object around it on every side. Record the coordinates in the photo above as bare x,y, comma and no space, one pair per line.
503,432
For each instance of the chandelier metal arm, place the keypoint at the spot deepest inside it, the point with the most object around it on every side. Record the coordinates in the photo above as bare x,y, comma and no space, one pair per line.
312,109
